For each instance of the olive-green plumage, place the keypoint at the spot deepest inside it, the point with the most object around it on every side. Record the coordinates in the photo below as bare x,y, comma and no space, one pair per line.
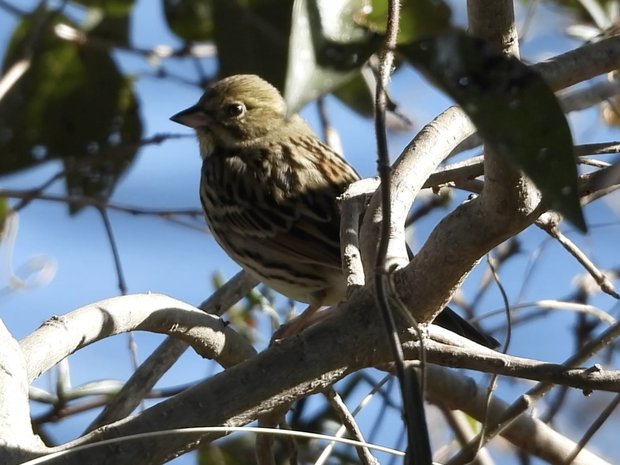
269,189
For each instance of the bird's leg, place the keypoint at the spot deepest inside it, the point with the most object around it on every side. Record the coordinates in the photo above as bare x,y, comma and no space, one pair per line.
310,316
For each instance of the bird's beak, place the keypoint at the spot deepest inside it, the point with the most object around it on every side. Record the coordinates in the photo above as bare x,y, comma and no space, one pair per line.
194,117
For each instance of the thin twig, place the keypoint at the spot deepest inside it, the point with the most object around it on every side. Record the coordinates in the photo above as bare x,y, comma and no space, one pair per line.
548,223
120,277
503,253
594,427
349,422
330,135
71,34
600,148
463,431
80,201
159,362
12,9
418,450
118,267
376,389
534,394
493,382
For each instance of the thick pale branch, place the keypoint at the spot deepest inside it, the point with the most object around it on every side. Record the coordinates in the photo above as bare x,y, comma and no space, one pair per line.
17,440
210,336
508,198
460,392
352,203
505,207
494,22
581,64
168,352
287,372
419,159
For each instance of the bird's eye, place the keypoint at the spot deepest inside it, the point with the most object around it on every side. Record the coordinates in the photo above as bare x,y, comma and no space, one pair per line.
234,110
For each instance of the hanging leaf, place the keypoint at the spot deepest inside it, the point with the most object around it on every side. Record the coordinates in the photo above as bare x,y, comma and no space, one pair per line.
5,210
252,37
513,108
191,20
327,48
418,18
72,104
357,95
108,19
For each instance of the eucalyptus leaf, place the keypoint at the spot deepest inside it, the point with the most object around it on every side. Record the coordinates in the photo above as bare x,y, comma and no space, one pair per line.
73,104
357,95
4,213
108,20
190,19
418,18
327,48
513,108
252,37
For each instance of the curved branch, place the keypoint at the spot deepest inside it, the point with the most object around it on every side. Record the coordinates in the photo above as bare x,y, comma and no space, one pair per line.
209,335
581,64
168,352
463,237
419,159
16,436
287,372
460,392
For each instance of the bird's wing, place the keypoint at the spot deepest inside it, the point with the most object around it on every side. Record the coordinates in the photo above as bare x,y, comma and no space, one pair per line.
290,211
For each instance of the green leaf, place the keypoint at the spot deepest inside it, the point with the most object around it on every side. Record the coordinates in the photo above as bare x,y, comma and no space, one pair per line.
327,48
252,37
418,18
513,108
72,104
109,7
357,95
191,20
4,213
108,20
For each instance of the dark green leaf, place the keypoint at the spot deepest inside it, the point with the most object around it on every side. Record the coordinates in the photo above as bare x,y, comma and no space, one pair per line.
108,19
109,7
252,37
72,104
191,20
4,213
418,18
338,40
327,48
512,107
357,95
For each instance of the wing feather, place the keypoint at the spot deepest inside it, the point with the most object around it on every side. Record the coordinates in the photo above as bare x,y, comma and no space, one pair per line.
287,205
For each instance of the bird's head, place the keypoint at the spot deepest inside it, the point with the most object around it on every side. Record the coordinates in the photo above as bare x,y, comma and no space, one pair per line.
234,112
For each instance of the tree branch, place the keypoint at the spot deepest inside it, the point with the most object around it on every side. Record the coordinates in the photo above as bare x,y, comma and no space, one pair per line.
17,439
288,371
168,352
460,392
148,312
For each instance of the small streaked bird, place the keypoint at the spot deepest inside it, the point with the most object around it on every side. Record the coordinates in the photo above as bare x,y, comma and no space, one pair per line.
269,189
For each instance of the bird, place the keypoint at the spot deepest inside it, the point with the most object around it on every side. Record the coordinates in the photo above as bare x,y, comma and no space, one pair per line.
268,189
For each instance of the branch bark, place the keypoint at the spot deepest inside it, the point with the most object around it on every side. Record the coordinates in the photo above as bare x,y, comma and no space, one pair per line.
284,373
17,440
211,337
507,204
